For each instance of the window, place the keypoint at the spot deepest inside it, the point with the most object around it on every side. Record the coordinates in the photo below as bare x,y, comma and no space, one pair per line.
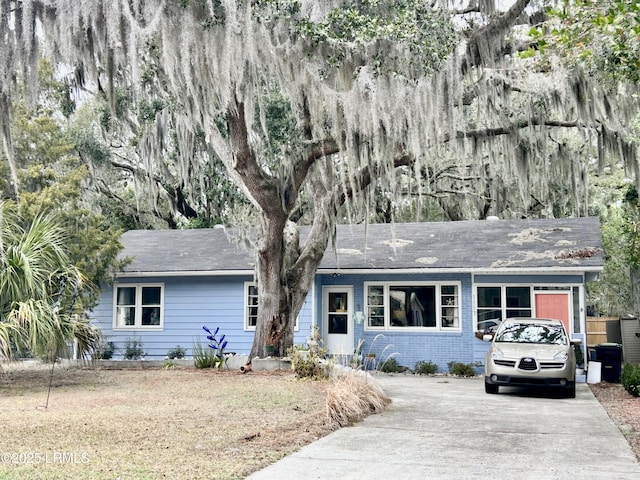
499,302
138,306
251,307
419,306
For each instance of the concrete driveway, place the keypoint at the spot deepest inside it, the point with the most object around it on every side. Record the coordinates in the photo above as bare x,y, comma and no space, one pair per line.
448,428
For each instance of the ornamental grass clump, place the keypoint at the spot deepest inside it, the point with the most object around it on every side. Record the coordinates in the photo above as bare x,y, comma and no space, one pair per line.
352,396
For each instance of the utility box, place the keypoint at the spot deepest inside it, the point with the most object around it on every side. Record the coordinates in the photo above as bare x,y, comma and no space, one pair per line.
609,355
630,333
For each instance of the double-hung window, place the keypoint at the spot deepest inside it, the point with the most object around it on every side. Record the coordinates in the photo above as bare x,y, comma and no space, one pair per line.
413,306
251,307
139,306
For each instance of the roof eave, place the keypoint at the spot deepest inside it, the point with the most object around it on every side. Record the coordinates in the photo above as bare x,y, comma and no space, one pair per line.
356,271
185,273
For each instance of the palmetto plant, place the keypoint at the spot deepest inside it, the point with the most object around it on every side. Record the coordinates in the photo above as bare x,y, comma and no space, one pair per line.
38,287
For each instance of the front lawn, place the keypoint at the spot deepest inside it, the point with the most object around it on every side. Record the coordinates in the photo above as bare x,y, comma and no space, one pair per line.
182,423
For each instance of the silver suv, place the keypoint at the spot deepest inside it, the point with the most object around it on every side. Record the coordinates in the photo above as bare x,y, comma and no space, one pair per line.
531,352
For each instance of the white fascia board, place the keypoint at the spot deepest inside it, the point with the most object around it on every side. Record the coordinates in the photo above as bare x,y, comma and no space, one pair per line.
477,271
369,271
203,273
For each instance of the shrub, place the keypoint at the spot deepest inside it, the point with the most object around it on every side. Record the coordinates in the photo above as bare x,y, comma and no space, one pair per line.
631,378
425,368
390,365
352,396
306,364
176,352
308,361
579,355
133,349
104,351
462,369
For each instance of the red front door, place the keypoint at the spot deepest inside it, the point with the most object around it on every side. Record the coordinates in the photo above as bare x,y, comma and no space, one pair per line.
555,306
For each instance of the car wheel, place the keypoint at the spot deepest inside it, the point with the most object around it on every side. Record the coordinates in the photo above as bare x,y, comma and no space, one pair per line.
571,391
490,387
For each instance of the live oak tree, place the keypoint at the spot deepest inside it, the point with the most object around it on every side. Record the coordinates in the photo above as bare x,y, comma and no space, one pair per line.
369,87
601,39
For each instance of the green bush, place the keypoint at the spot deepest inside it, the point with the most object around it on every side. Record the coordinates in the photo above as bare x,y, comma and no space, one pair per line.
631,378
133,349
579,354
390,365
176,352
425,368
307,363
462,369
104,351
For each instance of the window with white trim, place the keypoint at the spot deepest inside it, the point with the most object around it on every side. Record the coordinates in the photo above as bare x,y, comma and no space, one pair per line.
251,307
497,302
421,306
138,306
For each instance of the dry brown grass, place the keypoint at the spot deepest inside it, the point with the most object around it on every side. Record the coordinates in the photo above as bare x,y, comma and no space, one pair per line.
352,397
153,423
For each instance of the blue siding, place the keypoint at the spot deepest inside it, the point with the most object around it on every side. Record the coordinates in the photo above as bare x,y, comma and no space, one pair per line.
190,303
410,347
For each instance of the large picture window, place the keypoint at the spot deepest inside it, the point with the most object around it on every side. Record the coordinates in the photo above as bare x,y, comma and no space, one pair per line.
419,306
495,303
139,306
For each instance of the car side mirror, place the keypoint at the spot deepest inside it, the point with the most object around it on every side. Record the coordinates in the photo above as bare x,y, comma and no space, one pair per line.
487,337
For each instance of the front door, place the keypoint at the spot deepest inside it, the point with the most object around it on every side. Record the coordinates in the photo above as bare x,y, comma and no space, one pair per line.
555,306
337,308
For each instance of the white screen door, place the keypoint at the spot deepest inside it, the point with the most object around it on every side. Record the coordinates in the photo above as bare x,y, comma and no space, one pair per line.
337,322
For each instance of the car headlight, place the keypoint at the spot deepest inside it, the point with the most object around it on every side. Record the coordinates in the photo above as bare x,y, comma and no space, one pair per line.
496,354
561,356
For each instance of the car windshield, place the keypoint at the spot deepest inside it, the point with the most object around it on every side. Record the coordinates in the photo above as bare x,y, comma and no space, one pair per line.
532,333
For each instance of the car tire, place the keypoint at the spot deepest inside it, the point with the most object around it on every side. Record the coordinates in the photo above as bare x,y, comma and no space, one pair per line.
571,391
490,387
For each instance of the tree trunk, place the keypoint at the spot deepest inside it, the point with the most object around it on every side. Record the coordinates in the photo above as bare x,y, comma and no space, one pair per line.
285,272
272,321
635,289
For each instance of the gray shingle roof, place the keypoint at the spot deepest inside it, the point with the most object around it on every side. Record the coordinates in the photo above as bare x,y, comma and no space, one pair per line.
501,245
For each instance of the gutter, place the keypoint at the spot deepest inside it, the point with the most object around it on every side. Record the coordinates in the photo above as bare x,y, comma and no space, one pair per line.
360,271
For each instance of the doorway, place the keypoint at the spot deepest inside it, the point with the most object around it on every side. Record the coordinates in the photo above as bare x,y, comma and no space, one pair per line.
555,306
337,308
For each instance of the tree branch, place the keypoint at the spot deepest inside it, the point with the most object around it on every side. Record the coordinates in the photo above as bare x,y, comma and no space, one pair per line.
486,41
364,178
495,131
261,186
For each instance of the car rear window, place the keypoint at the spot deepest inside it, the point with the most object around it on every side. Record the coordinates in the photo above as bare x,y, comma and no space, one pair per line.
532,333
